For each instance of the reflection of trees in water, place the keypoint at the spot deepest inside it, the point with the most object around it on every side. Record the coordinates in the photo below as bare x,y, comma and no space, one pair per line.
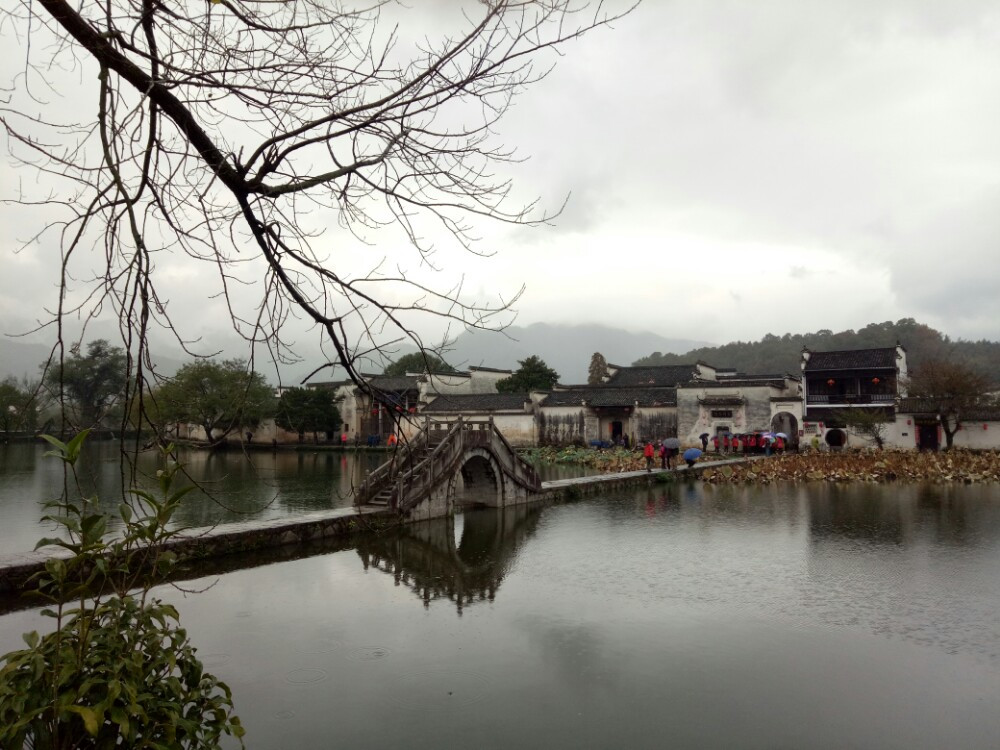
859,512
235,485
425,558
901,514
958,515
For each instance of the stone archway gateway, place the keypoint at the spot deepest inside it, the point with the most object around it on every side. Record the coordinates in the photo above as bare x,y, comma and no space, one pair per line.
786,423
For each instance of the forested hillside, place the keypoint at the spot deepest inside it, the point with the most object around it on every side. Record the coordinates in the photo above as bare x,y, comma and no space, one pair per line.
774,354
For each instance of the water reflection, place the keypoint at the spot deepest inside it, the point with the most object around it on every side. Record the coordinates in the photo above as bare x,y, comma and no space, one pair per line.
235,486
426,559
784,616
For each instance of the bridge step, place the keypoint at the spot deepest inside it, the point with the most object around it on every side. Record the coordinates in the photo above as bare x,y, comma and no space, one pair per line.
382,498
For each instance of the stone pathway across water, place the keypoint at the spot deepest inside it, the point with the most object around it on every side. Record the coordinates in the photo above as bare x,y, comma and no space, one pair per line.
228,538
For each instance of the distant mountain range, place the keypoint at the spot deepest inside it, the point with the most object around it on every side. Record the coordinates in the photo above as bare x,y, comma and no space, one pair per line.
568,349
565,348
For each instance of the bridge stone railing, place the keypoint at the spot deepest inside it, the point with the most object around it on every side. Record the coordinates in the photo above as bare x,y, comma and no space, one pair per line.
431,458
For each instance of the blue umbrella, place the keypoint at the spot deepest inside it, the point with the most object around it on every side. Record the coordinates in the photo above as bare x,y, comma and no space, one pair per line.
691,454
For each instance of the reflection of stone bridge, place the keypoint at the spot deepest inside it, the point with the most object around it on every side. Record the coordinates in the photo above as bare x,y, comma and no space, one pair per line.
462,558
448,463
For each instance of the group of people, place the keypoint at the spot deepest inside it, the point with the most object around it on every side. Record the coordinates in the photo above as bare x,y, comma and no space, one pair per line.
750,442
725,443
659,449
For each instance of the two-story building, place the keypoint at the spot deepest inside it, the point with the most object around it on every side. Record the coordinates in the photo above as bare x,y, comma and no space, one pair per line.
834,382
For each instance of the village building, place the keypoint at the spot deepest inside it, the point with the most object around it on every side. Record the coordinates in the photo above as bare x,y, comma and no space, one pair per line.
585,415
636,404
918,426
393,401
683,401
738,403
837,381
512,413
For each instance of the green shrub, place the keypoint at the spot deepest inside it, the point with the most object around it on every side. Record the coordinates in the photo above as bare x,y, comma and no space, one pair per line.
118,670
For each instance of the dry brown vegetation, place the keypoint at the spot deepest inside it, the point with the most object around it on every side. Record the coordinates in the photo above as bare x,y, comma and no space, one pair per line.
865,466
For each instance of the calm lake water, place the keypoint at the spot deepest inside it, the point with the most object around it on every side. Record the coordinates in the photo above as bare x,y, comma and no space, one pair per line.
236,486
791,616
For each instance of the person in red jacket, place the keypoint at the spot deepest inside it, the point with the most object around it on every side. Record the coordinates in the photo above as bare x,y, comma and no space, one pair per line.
648,453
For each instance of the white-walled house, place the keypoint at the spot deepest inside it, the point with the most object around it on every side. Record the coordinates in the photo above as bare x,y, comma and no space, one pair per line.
740,403
835,381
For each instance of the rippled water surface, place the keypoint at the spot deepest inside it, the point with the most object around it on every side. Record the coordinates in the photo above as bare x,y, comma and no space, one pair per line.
809,616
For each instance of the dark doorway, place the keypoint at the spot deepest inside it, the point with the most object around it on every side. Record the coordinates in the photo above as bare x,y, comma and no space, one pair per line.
927,437
836,438
616,431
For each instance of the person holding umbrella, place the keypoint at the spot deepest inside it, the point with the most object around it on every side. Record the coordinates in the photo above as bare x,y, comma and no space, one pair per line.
691,456
673,446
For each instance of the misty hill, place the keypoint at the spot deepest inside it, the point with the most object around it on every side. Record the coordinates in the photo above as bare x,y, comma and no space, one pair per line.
565,348
21,358
782,353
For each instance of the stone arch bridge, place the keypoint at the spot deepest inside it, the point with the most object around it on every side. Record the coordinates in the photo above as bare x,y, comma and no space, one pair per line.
450,463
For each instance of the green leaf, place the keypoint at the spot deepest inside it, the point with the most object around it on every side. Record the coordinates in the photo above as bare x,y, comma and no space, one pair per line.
59,445
89,716
73,446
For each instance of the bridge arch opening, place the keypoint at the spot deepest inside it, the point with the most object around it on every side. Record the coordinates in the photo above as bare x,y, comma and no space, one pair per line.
481,483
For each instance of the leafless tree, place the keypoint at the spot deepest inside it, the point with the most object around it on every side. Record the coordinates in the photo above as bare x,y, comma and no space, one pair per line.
951,390
227,132
870,424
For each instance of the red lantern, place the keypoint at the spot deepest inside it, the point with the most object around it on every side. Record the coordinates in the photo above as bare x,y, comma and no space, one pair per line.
830,382
876,381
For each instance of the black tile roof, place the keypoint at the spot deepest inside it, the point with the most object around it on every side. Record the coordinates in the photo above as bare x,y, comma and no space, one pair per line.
775,381
930,405
656,376
602,396
853,359
722,401
472,402
835,415
328,384
490,369
394,383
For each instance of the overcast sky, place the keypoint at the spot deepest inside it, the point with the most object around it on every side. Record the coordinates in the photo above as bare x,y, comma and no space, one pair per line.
734,169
